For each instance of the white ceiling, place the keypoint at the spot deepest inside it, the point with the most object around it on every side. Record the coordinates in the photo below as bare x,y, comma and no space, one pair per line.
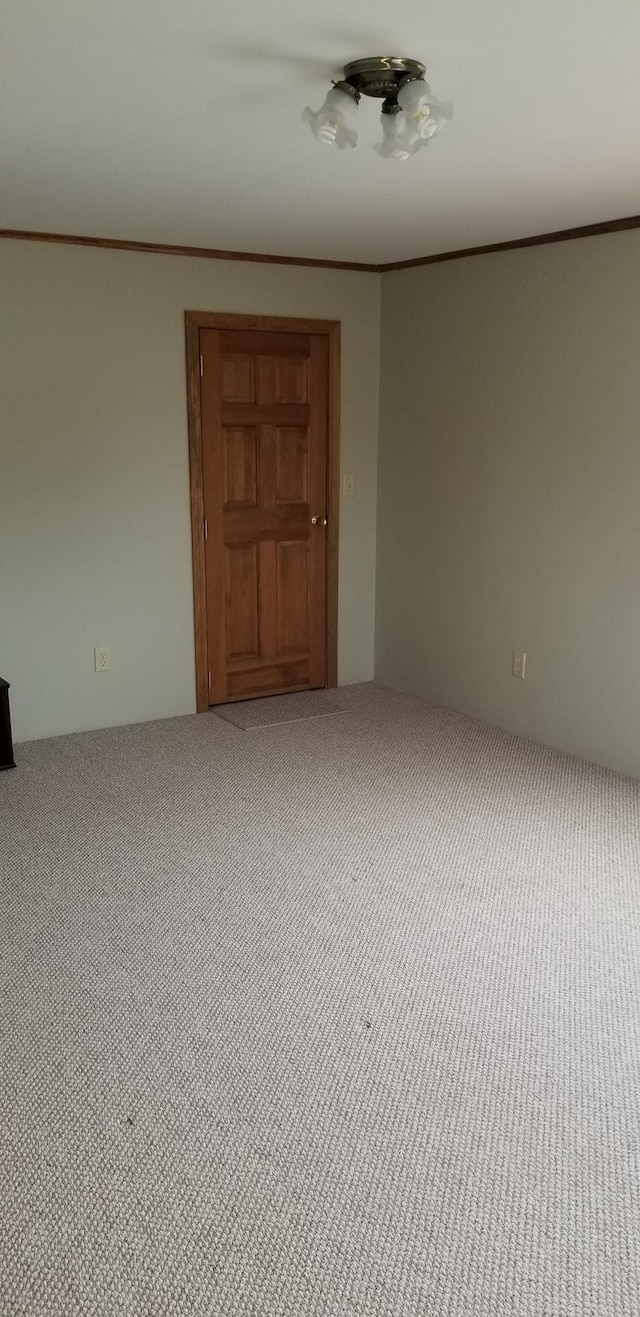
179,121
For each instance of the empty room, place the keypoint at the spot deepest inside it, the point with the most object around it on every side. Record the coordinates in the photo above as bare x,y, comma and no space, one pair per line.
319,654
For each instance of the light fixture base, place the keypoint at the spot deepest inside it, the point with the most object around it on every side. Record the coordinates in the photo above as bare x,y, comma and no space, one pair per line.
381,75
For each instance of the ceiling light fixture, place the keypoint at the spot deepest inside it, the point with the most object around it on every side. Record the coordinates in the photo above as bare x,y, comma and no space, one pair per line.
411,114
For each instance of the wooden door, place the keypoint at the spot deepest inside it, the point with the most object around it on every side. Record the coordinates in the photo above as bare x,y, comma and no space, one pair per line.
264,402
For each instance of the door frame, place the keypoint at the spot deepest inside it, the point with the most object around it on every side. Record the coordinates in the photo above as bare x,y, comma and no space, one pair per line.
194,322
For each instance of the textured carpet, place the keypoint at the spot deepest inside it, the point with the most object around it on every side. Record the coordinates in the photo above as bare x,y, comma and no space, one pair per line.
251,714
339,1018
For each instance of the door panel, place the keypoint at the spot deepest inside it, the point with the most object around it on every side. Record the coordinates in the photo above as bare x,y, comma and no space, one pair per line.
242,591
292,379
292,464
292,594
240,466
264,397
238,378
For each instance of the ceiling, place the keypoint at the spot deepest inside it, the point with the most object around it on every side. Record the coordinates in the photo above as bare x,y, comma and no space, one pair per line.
179,121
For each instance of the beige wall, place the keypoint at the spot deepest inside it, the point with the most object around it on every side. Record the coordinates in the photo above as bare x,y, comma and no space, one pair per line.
509,474
94,495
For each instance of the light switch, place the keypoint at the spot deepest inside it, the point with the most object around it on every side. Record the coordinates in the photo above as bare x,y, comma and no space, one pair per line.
348,486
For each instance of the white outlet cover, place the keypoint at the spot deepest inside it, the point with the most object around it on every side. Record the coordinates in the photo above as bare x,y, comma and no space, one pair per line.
102,658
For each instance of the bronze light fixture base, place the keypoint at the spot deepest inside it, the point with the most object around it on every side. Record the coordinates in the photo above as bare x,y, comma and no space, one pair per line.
380,75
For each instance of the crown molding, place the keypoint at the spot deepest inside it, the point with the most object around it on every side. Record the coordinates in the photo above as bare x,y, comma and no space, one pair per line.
537,240
170,249
214,254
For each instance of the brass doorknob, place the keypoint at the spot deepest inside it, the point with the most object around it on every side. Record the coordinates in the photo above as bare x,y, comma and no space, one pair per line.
319,521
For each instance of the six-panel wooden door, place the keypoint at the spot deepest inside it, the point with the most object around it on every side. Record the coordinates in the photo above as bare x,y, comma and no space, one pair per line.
264,410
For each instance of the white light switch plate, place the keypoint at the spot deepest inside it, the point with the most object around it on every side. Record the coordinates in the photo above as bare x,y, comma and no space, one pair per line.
348,486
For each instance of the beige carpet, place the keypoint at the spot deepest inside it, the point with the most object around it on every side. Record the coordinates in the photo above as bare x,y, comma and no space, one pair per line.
342,1017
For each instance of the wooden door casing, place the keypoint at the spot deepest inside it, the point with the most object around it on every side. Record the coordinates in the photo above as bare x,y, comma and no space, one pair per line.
263,443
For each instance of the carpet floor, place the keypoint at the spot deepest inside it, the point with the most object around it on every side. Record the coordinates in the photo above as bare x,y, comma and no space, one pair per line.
339,1019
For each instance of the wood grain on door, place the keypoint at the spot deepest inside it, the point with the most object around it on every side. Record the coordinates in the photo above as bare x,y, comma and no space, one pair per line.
264,404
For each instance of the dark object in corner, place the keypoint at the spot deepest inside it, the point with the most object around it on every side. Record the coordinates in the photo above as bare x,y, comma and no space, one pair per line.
6,745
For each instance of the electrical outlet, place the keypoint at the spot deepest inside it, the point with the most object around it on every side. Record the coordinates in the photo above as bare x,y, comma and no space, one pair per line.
518,663
348,486
102,658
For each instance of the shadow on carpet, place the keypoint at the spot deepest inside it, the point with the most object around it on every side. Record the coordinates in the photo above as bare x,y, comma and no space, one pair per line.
250,715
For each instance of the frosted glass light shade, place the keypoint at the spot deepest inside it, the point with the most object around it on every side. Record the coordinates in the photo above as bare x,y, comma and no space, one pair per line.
396,142
425,114
334,123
